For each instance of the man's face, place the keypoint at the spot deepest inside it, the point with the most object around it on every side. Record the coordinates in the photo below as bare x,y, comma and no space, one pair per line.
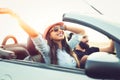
85,39
84,42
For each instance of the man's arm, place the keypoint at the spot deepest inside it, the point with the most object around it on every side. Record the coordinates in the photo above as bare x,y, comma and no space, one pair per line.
109,48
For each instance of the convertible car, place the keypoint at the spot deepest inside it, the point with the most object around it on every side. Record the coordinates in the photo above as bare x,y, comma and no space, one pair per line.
98,66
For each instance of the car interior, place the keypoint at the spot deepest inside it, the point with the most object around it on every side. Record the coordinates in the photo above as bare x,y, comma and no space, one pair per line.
21,50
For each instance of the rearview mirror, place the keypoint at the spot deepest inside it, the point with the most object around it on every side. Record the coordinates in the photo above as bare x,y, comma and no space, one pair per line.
102,65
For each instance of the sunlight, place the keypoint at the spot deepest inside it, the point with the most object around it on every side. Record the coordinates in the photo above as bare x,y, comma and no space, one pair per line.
38,14
10,27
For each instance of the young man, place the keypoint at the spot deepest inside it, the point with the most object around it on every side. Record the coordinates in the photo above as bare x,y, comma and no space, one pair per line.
83,49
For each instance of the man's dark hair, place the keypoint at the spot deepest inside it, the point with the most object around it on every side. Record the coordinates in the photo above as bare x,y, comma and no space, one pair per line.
70,36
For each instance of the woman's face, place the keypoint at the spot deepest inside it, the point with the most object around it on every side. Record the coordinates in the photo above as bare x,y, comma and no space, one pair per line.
57,33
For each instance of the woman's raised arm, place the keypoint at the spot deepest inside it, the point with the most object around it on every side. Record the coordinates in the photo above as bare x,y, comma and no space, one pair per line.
74,29
29,30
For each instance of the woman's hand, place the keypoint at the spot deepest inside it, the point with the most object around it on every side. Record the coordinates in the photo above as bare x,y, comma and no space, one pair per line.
7,11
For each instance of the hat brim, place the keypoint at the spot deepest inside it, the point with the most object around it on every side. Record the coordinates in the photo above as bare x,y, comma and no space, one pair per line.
49,27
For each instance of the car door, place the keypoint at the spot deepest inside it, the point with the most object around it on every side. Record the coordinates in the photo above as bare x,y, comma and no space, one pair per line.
22,70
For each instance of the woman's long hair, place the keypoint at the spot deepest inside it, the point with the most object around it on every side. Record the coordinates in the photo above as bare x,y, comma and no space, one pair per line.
54,47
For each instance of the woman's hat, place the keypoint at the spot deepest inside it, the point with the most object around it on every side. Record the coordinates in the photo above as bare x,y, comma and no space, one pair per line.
49,27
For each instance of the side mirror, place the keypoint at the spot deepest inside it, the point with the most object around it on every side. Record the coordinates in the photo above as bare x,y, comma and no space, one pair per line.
102,65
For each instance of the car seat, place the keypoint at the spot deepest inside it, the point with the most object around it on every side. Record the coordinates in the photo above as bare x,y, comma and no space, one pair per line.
35,55
20,50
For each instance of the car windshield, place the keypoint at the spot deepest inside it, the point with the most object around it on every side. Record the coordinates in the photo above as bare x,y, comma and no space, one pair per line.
41,13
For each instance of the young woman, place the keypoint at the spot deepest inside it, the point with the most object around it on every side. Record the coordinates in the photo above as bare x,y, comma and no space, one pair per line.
52,44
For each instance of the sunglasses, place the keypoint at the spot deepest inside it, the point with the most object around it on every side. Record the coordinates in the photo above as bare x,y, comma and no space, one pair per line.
56,29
